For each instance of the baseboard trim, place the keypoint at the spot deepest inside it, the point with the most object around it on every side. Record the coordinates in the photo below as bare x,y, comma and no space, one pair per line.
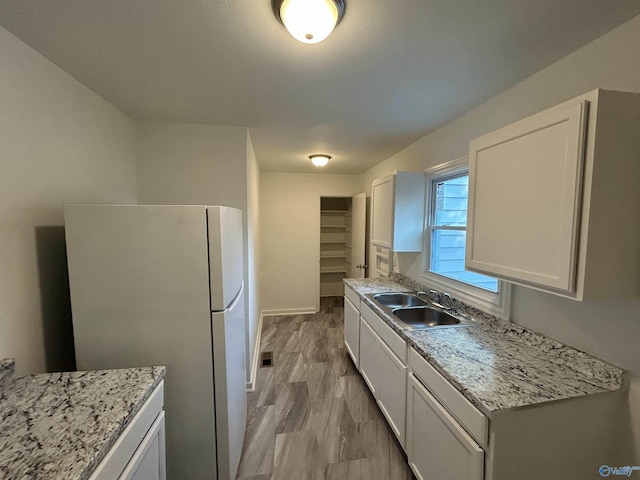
290,311
255,360
251,384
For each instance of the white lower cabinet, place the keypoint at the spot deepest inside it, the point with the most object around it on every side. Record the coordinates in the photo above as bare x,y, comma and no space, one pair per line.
139,452
438,448
369,356
386,376
446,437
352,330
391,390
148,461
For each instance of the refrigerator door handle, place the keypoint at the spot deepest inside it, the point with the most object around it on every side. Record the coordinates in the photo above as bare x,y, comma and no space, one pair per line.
233,303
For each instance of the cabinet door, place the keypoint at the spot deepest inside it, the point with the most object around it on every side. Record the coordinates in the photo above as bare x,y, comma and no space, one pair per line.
352,331
392,391
525,184
136,440
148,462
437,446
382,206
369,356
358,236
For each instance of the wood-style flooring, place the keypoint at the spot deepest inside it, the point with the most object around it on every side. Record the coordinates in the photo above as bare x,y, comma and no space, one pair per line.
311,416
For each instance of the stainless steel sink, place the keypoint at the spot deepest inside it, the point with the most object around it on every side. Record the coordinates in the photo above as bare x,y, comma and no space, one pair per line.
427,317
398,300
424,317
415,313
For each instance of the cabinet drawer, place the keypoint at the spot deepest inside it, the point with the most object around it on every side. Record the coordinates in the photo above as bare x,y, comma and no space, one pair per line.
396,343
351,294
459,407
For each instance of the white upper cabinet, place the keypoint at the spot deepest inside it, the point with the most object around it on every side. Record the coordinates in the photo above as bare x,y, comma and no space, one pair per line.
553,199
397,206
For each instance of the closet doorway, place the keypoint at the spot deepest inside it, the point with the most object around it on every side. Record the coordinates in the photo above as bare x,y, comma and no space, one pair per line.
342,242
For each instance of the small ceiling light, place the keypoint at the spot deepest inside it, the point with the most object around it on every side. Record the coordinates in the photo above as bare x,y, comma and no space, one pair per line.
319,160
309,21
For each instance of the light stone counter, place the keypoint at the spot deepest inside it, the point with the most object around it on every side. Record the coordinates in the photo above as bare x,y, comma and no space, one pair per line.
61,425
498,365
7,366
375,285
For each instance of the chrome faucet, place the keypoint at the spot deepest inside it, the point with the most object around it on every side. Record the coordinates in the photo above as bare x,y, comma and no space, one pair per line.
449,301
435,296
432,295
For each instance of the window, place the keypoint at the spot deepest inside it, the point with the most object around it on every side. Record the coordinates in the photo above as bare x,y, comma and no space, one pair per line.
448,229
445,237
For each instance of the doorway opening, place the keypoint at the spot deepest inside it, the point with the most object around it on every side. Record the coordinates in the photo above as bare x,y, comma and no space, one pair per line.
342,242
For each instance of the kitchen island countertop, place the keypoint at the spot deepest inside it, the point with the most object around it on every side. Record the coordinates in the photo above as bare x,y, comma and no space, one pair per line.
61,425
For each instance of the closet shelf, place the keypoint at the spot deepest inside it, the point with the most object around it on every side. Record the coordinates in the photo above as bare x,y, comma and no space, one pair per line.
335,227
333,270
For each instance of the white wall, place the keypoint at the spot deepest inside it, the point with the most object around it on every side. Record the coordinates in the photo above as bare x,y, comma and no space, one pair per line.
180,163
59,143
611,330
253,260
290,236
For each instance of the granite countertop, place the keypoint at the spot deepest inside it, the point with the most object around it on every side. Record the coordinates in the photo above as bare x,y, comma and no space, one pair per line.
7,366
375,285
499,365
61,425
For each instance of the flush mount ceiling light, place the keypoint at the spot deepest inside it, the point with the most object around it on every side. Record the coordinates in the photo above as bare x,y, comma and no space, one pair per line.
319,160
309,21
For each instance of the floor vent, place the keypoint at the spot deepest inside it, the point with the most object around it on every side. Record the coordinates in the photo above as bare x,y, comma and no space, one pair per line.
267,359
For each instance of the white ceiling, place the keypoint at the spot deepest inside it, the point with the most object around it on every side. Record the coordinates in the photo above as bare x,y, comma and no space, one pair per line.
392,71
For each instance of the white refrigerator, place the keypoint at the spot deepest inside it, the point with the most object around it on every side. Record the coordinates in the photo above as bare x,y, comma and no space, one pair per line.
163,285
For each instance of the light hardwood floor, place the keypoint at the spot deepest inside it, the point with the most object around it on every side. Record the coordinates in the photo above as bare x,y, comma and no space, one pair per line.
311,416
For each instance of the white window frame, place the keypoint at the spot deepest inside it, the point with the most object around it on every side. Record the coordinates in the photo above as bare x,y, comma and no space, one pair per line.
498,304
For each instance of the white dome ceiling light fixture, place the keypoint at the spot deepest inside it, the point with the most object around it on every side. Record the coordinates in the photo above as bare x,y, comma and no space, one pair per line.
309,21
319,160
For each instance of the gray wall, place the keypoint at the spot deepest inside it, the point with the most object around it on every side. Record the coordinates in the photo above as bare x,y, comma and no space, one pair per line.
609,330
290,237
190,164
59,143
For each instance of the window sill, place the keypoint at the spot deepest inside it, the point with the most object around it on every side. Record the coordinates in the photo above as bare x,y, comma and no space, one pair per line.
496,304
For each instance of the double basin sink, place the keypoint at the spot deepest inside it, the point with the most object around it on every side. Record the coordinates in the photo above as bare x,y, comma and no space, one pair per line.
415,313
